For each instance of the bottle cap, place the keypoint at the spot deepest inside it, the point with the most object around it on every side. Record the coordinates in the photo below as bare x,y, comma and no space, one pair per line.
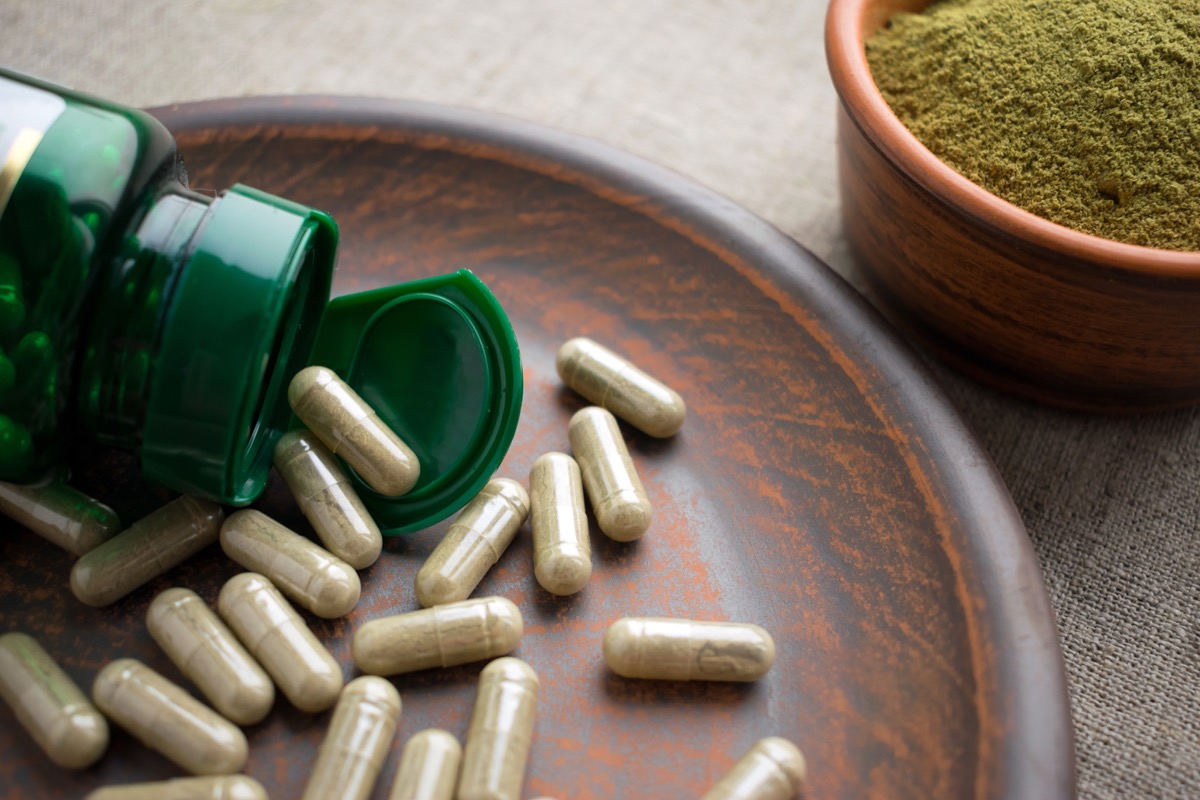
244,319
437,360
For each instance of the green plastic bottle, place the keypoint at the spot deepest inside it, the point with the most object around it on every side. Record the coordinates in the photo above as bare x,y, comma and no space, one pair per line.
142,315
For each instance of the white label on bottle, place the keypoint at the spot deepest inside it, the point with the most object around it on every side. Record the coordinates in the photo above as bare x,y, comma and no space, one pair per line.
26,113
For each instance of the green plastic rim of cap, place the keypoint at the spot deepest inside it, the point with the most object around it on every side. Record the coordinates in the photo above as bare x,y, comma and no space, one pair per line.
438,361
243,320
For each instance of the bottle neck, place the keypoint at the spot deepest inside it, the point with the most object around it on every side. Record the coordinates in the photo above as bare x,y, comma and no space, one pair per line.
130,312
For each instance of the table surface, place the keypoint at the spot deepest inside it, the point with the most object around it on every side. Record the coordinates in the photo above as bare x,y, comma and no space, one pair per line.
735,95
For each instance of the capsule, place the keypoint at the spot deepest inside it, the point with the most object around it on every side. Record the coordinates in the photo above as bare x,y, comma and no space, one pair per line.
428,767
278,638
618,500
61,514
562,553
500,733
168,720
474,543
209,787
207,652
357,742
150,547
683,650
773,769
49,705
442,636
311,576
611,382
327,499
352,430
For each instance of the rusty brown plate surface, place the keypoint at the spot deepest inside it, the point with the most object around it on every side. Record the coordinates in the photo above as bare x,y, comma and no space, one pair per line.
822,486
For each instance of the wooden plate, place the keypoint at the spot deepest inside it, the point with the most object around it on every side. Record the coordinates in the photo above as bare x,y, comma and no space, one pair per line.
822,487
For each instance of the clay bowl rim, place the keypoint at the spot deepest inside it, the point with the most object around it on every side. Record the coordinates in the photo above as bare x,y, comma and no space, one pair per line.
846,58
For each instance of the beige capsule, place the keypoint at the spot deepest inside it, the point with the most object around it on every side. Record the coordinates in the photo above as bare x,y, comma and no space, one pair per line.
562,553
309,575
428,767
327,499
773,769
209,787
60,514
277,637
474,543
208,653
442,636
150,547
501,732
353,431
618,500
49,705
612,382
356,745
168,720
683,650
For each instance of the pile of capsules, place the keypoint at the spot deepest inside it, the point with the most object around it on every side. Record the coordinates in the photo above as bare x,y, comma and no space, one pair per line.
256,642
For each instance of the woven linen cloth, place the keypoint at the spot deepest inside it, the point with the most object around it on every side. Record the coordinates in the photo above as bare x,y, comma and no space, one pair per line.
736,96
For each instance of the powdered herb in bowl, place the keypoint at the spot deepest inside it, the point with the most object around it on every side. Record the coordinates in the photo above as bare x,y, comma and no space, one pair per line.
1084,112
1020,185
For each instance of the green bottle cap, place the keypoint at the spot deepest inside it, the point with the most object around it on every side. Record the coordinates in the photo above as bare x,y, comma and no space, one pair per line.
243,321
437,360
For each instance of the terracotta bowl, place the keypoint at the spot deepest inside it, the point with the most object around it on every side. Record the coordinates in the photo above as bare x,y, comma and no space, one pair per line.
1008,297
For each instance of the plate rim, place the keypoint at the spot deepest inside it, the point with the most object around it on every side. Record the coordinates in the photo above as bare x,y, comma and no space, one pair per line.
1027,747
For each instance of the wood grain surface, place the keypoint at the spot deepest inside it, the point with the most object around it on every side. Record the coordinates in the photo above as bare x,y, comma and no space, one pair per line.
821,488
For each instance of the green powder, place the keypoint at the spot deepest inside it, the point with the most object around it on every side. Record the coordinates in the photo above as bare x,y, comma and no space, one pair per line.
1084,112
